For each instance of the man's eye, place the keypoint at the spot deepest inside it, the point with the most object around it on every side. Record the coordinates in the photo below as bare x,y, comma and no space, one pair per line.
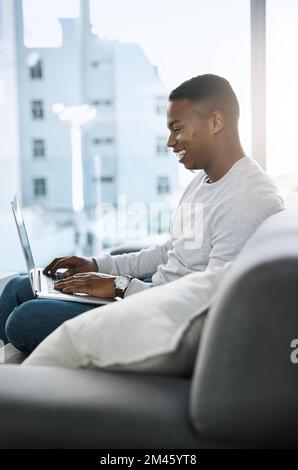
177,130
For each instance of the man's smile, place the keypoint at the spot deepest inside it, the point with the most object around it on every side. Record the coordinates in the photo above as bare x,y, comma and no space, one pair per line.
180,154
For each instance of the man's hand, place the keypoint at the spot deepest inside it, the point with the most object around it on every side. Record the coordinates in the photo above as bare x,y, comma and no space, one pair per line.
95,284
74,265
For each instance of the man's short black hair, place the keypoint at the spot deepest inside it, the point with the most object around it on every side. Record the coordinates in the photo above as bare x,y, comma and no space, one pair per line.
213,91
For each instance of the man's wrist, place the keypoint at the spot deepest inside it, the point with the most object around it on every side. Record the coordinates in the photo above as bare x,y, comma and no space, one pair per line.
121,284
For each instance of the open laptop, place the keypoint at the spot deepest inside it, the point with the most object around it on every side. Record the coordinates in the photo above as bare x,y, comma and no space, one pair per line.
42,285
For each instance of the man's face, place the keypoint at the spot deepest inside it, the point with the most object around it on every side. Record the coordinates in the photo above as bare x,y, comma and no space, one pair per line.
190,133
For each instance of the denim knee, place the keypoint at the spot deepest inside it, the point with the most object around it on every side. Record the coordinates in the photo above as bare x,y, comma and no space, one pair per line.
18,327
8,295
15,284
16,291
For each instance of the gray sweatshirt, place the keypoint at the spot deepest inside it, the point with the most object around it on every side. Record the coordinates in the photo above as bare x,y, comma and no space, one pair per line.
211,224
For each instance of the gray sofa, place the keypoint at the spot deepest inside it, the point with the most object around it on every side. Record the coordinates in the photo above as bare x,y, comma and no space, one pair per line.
243,392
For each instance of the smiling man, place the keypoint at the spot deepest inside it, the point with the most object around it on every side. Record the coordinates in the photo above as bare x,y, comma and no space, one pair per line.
203,116
219,210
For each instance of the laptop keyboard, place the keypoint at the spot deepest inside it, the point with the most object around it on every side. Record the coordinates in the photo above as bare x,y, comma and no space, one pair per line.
50,283
51,289
50,286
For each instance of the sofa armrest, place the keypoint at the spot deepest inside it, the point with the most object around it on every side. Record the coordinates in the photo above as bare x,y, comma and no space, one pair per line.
244,391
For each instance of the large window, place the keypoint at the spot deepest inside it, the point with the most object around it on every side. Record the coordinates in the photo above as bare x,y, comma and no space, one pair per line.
135,53
185,40
282,96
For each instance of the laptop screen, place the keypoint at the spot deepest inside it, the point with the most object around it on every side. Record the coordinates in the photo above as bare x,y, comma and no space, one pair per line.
16,208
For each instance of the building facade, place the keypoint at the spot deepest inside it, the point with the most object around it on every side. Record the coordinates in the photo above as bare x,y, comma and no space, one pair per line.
9,155
124,148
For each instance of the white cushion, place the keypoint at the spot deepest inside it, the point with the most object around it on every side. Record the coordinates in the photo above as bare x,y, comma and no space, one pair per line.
153,331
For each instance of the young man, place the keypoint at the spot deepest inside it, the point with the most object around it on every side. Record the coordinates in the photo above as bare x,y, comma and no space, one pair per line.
217,213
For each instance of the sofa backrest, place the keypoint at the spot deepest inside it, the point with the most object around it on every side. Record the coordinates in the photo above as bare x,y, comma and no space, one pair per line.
245,382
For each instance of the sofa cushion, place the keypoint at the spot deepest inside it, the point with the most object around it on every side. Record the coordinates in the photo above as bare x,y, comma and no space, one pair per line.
56,408
155,331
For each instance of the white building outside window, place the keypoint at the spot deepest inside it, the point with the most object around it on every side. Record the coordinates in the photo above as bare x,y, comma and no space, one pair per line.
36,71
37,110
163,185
161,146
39,148
40,187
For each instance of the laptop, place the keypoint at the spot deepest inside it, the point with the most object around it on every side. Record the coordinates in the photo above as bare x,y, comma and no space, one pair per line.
42,285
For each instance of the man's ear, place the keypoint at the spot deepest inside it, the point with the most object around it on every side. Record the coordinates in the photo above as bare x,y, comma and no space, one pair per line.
216,122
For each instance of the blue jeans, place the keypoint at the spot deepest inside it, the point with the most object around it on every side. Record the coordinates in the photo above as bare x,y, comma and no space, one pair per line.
26,321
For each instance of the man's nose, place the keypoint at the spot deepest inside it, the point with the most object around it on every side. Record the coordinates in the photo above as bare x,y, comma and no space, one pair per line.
171,141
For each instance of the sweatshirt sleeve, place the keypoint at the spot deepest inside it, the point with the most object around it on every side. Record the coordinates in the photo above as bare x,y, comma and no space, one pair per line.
136,286
234,222
140,265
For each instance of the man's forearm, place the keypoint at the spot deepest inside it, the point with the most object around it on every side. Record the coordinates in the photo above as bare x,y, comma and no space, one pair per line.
140,265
